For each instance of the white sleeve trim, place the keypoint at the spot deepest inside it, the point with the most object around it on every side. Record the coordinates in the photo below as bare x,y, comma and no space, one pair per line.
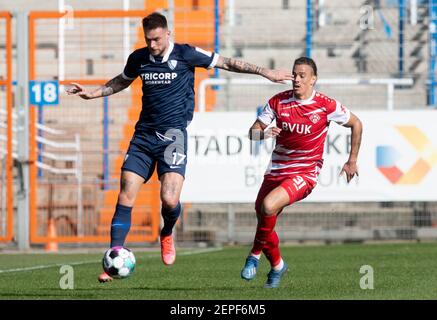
125,77
214,61
347,118
206,53
340,115
267,115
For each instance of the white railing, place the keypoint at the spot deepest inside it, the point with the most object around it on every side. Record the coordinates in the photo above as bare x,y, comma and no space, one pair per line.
390,83
3,113
75,157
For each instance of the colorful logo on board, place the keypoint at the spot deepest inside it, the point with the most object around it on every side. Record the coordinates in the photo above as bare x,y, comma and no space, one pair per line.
388,157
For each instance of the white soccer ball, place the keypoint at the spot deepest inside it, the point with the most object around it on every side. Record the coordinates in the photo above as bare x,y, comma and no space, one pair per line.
119,262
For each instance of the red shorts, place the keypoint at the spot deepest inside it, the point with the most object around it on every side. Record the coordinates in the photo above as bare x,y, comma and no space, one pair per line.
297,186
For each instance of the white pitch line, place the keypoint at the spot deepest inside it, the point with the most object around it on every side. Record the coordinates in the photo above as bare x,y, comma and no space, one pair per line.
186,253
46,266
192,252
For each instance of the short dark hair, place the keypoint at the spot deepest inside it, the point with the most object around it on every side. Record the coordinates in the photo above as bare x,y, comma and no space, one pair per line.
308,61
154,20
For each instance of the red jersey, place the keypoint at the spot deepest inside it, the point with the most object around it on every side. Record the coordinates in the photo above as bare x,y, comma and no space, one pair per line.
304,123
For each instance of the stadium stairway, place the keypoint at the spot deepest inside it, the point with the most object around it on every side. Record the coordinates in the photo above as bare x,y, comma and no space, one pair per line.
146,211
338,54
194,24
189,27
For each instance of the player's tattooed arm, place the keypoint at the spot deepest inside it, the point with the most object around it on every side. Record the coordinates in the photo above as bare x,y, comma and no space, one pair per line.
112,86
231,64
258,131
115,85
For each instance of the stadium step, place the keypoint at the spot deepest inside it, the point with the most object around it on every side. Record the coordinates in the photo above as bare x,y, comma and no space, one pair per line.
118,162
124,143
134,113
128,130
144,196
140,216
104,230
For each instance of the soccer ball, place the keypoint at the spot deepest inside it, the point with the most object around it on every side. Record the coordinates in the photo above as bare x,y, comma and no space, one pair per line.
119,262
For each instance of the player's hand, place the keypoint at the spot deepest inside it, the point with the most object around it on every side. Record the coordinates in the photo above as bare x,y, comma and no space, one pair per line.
279,76
272,132
350,169
78,90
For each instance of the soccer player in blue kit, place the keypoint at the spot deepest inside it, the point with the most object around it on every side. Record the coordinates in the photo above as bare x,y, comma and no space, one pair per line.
160,138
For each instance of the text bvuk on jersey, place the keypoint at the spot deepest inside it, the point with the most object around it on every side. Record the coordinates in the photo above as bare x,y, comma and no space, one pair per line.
296,127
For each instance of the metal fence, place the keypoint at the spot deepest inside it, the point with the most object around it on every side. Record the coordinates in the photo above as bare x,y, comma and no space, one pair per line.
309,222
245,93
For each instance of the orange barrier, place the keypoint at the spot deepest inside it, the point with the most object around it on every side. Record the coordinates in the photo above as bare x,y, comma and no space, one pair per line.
7,83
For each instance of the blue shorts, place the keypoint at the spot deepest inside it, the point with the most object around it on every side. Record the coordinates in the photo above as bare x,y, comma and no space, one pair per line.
167,150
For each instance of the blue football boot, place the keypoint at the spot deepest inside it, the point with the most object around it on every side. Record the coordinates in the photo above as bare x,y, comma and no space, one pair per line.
249,270
274,277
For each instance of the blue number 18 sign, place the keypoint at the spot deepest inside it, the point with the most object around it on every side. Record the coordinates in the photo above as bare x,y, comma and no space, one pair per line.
44,93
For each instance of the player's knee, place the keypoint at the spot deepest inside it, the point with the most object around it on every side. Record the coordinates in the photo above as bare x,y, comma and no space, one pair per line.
126,198
268,208
169,202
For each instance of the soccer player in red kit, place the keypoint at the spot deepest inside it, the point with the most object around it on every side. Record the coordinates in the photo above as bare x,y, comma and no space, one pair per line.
302,119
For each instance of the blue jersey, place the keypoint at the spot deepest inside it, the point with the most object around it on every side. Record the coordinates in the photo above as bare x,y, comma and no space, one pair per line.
168,84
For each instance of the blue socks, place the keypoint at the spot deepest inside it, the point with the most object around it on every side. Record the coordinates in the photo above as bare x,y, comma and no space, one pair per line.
120,225
170,217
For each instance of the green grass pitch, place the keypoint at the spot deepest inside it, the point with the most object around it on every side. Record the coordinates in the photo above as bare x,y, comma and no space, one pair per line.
400,271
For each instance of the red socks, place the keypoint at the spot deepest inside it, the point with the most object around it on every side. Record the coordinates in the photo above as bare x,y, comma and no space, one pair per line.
266,224
266,240
271,249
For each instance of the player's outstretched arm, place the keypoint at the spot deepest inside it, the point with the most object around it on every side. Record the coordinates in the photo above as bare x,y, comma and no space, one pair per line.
114,85
256,131
350,167
231,64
